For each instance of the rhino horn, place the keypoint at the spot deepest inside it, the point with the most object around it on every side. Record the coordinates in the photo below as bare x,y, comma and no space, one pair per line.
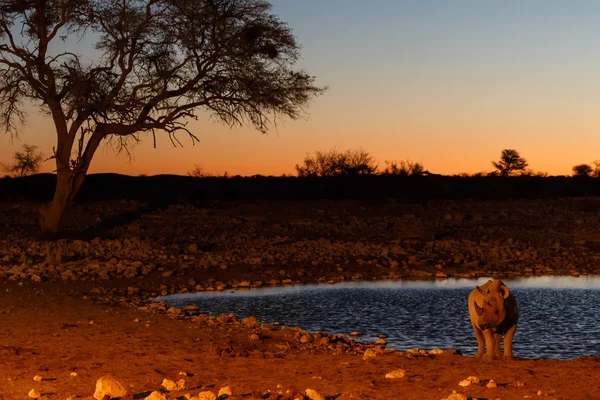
478,310
505,291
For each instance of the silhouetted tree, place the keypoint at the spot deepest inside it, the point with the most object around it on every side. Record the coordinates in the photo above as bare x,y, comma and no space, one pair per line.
404,168
336,163
510,162
582,170
26,162
158,63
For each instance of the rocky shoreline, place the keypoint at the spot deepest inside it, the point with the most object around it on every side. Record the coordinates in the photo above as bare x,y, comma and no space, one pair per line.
188,248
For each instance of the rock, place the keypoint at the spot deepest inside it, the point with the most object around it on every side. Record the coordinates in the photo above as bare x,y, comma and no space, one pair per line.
491,384
174,311
381,342
313,394
435,352
171,386
468,381
369,354
207,395
455,396
397,374
254,337
250,322
356,333
156,396
37,378
107,385
225,391
34,394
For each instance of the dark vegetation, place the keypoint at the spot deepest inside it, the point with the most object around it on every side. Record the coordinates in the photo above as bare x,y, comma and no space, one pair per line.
167,189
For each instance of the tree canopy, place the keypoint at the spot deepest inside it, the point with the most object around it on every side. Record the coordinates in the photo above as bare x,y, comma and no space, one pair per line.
510,162
158,63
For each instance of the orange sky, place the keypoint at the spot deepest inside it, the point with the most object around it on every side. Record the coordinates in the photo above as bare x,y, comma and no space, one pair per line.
447,85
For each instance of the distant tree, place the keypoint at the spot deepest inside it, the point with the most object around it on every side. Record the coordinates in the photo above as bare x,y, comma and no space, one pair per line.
197,172
26,162
404,168
158,63
582,170
510,162
596,169
337,163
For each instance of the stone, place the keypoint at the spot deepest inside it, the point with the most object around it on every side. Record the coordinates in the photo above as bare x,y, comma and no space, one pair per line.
225,391
455,396
369,354
313,394
397,374
37,378
156,396
250,322
34,394
491,384
108,385
356,333
172,386
207,395
435,352
468,381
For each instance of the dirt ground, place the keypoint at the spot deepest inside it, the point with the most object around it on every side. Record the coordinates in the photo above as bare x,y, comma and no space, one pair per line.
54,329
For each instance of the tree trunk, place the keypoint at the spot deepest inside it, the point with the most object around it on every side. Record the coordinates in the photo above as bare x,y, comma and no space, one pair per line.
51,215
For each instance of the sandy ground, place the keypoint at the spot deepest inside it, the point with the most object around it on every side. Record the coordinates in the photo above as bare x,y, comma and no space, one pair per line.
53,329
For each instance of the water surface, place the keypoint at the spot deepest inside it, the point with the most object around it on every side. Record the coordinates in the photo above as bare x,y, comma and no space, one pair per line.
558,315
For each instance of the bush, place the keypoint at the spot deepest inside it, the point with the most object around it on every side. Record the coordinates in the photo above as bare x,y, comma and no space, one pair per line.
336,163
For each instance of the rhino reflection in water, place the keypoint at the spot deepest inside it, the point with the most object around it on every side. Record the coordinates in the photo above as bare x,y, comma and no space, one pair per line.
493,312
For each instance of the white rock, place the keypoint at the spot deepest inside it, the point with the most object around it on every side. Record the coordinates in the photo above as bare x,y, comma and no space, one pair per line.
206,396
468,381
491,384
435,352
34,394
156,396
369,354
169,385
397,374
225,391
37,378
107,385
455,396
313,394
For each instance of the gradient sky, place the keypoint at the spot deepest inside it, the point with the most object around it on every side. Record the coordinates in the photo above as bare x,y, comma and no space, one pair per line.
446,83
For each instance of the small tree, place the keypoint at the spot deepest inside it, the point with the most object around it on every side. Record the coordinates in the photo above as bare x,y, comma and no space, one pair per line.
336,163
404,168
582,170
26,162
510,162
159,62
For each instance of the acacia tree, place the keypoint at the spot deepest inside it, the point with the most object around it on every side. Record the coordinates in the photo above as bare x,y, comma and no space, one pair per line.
510,162
160,62
26,162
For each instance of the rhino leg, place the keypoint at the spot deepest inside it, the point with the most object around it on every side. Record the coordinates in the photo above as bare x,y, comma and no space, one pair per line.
480,341
508,339
489,344
497,340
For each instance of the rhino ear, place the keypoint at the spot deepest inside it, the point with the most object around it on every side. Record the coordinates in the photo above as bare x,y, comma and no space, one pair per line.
505,291
478,310
482,290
